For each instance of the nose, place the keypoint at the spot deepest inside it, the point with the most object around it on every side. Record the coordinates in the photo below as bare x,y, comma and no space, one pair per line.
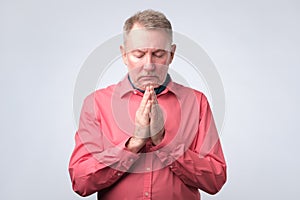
149,65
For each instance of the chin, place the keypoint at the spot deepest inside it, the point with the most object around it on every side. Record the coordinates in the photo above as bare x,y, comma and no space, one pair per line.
143,85
154,84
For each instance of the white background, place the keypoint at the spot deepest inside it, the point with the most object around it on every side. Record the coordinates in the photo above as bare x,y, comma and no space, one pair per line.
254,44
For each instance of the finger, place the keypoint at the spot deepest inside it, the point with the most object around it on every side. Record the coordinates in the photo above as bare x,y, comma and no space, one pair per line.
154,110
153,95
145,98
147,108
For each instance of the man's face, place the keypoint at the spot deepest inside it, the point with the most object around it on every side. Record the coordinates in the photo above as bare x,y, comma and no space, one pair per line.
147,54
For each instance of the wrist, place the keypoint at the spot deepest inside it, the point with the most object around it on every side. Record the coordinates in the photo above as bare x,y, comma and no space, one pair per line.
135,144
158,137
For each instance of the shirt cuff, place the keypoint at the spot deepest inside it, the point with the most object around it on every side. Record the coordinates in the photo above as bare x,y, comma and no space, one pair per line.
168,155
125,159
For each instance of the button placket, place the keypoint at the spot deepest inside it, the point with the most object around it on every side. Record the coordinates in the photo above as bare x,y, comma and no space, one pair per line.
148,176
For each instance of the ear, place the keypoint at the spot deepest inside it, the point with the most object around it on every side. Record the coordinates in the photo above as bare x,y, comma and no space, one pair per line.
173,49
124,55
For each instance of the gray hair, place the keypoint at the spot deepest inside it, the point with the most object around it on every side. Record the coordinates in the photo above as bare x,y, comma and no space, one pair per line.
149,19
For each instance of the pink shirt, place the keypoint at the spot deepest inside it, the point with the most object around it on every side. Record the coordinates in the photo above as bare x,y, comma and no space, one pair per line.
189,157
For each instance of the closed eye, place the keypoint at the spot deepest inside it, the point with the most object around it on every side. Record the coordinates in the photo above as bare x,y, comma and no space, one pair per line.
138,54
159,53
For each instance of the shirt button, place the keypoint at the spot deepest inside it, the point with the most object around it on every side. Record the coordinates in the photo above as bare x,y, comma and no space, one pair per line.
146,194
131,160
119,174
148,168
171,167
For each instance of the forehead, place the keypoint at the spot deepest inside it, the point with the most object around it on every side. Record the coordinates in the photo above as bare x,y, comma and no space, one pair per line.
147,39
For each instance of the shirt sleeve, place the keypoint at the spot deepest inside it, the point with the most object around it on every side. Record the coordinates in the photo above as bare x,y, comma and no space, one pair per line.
202,164
95,163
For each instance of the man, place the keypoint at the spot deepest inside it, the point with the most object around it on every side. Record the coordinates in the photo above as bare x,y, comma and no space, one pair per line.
147,137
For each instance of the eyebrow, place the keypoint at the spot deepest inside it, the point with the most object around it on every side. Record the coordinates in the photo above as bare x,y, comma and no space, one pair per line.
144,50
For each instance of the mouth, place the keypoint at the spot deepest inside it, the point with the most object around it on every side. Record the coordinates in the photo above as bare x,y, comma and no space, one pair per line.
148,77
